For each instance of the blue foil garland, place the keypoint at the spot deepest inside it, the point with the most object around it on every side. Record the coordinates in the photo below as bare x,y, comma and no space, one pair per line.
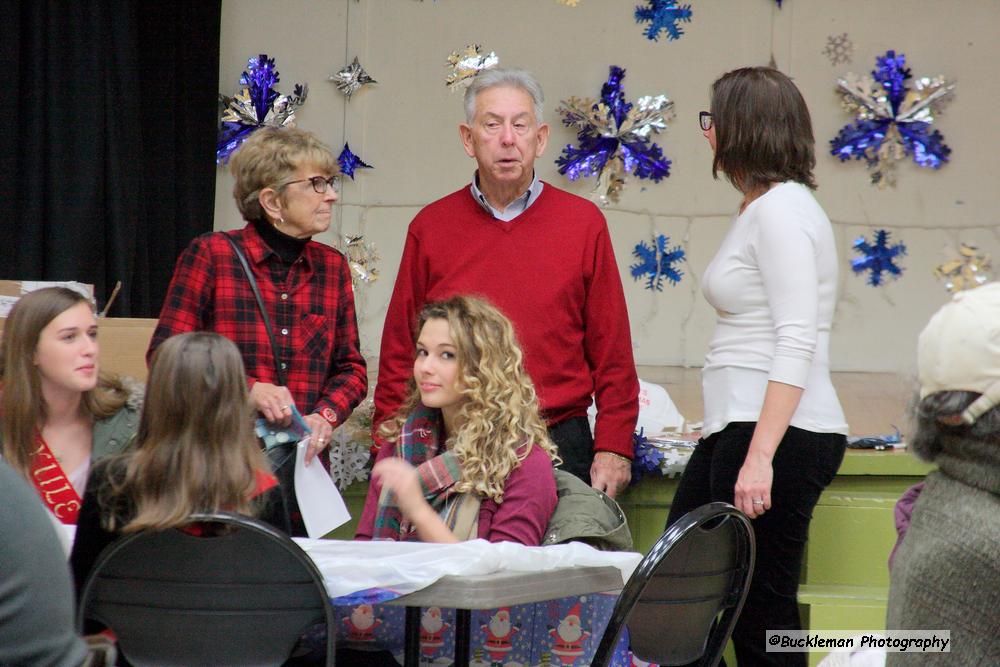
877,258
646,458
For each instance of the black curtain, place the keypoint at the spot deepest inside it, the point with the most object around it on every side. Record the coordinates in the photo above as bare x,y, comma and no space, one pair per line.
107,146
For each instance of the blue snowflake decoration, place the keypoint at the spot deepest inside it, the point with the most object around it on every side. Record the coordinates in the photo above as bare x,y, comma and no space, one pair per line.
646,458
877,258
663,15
614,137
656,262
893,120
257,105
348,162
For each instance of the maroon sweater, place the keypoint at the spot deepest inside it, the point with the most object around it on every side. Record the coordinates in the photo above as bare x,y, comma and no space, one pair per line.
529,499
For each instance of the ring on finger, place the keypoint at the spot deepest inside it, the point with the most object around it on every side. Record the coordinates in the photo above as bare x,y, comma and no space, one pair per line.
286,408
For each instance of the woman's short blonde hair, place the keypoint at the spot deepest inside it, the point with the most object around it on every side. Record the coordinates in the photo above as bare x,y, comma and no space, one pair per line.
269,158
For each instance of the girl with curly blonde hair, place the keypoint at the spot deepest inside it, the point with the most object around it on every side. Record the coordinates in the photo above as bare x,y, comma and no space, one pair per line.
473,456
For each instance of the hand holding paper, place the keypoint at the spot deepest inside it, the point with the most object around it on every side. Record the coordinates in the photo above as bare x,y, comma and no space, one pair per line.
321,505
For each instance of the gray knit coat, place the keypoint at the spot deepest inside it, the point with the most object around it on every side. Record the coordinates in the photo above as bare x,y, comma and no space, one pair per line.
946,575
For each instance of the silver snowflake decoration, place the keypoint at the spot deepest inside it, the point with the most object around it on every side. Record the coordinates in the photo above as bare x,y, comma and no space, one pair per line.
362,258
839,49
466,65
348,459
350,79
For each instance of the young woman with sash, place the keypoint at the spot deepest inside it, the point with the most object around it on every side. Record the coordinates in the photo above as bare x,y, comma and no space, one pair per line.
472,455
195,452
59,413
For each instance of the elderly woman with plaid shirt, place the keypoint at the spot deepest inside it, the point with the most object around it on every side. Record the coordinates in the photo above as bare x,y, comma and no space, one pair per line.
286,185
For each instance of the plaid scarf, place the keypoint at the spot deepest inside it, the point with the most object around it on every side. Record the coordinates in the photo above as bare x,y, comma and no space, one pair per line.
419,442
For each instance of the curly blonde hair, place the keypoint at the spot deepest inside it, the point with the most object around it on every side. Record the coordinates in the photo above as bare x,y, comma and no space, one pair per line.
499,420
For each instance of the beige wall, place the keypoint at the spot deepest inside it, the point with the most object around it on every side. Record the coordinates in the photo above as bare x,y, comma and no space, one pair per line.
406,126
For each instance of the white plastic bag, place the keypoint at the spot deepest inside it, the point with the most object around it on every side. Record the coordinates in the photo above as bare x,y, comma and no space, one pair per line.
657,413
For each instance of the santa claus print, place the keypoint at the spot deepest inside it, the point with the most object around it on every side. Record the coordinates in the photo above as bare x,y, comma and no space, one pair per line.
432,627
569,637
498,635
361,624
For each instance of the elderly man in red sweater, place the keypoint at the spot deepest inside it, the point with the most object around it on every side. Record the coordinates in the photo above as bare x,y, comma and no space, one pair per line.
541,255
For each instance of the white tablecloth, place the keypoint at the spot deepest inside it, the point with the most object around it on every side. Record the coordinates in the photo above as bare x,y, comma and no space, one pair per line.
404,567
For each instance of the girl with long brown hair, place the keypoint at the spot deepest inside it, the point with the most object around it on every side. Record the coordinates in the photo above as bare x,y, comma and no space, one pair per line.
195,452
58,412
473,456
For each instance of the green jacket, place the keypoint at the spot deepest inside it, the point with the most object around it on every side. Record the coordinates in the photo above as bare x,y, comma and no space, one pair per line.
584,514
113,434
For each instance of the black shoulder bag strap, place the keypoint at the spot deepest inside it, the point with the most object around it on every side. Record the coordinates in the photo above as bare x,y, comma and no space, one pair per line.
282,457
260,305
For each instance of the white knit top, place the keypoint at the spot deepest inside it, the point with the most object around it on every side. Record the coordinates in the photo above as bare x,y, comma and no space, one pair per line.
773,285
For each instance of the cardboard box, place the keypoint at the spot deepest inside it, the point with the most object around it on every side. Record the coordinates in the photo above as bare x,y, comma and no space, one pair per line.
124,341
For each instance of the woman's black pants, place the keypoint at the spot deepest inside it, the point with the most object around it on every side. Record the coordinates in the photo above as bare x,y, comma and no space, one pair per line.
804,464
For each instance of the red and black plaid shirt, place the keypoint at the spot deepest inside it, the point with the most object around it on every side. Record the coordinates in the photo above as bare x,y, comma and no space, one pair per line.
311,310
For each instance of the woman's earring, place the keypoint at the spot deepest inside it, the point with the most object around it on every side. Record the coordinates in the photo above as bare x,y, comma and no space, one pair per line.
280,222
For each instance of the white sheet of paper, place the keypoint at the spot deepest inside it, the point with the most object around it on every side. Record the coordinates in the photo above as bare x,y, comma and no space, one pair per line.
320,502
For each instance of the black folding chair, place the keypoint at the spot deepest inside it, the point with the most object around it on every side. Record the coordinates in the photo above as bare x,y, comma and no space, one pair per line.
681,603
241,593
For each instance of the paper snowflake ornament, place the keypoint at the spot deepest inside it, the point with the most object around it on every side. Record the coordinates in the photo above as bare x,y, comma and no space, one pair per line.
614,138
257,105
877,258
350,79
349,162
839,49
663,16
969,270
348,459
362,258
893,121
656,262
466,65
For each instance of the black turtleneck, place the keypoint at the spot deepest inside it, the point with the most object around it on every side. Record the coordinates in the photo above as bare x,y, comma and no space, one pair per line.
286,247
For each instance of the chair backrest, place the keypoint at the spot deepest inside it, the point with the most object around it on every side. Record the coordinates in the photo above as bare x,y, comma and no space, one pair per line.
239,594
681,603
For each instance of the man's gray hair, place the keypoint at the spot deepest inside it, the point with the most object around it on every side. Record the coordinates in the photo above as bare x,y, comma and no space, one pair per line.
509,76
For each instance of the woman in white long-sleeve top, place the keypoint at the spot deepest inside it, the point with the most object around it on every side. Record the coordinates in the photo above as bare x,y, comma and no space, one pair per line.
774,432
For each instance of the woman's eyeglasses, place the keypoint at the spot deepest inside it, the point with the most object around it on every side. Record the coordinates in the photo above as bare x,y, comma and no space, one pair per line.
320,184
705,120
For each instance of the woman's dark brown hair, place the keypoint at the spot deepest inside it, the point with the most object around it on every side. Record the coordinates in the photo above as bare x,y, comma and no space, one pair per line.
763,133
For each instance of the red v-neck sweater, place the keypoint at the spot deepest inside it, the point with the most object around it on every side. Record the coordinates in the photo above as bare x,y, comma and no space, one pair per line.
552,271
